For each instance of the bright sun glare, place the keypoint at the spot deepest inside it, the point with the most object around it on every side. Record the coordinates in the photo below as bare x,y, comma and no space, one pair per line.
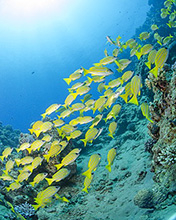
30,10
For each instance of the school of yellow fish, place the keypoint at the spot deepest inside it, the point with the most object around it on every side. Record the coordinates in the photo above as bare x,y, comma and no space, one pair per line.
126,87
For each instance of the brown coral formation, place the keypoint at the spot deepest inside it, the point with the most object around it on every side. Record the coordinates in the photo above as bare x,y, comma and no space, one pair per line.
163,130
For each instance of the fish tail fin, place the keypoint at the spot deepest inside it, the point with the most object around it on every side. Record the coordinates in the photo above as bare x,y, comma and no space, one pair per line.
85,190
67,80
2,158
37,133
49,180
124,97
110,135
84,141
68,138
29,150
108,167
32,183
8,189
138,54
36,206
106,87
89,79
46,156
154,71
43,115
58,166
74,95
85,71
17,162
148,64
31,130
87,173
17,149
6,172
133,100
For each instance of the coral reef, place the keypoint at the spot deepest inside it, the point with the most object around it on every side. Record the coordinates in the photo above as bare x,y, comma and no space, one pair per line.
8,137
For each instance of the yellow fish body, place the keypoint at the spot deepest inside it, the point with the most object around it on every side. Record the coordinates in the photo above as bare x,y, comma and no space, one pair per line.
110,157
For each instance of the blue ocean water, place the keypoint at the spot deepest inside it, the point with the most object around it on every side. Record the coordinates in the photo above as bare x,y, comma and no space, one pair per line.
45,42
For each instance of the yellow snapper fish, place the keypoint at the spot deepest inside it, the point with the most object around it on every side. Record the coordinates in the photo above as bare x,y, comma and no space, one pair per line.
75,134
126,76
24,160
115,52
81,91
98,71
127,92
86,98
74,76
172,16
58,122
6,152
47,138
112,128
65,113
87,182
164,13
110,40
135,89
7,177
167,39
92,165
44,197
46,126
122,64
23,146
9,166
85,120
151,58
35,163
70,98
154,27
67,129
144,36
158,38
98,104
52,108
53,151
101,87
76,86
35,127
110,158
114,112
38,178
68,159
113,97
90,136
58,176
13,186
96,79
106,60
96,120
160,59
23,176
36,145
171,24
145,111
144,50
77,107
113,83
